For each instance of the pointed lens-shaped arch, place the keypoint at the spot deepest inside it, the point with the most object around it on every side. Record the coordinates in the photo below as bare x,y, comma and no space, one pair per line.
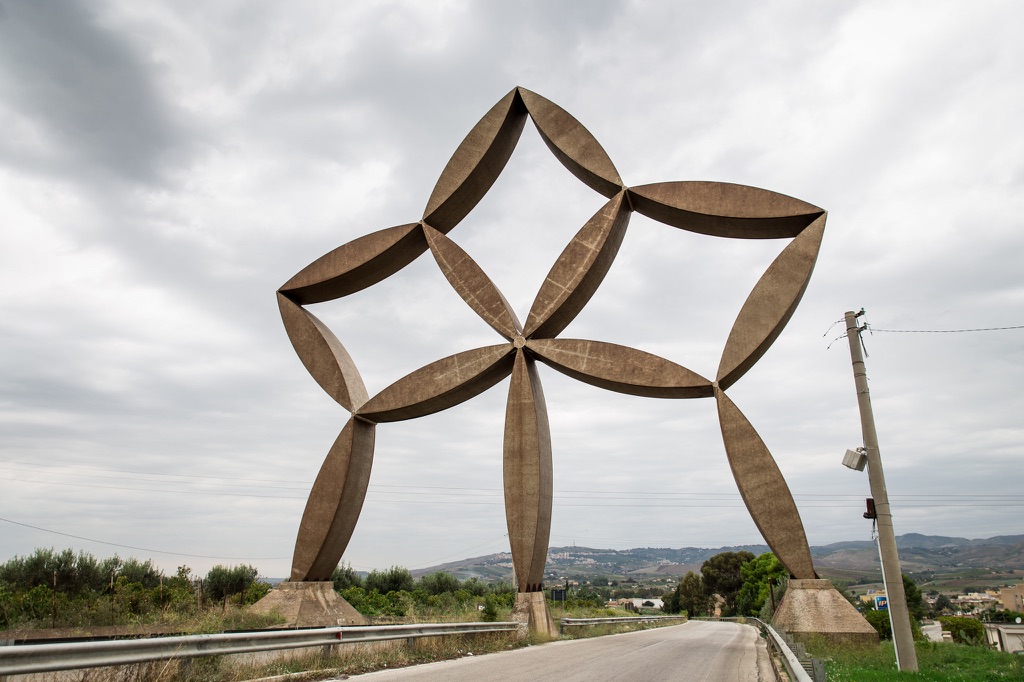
324,357
573,145
473,285
440,385
579,270
722,209
620,369
764,490
334,503
476,164
770,304
356,265
527,474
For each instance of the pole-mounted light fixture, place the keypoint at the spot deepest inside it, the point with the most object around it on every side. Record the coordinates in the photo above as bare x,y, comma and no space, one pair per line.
855,459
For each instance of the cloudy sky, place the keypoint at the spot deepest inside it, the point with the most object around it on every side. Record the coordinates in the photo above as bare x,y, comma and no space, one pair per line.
165,167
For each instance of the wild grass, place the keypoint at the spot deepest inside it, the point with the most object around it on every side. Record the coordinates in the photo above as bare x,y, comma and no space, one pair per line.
347,659
937,662
305,664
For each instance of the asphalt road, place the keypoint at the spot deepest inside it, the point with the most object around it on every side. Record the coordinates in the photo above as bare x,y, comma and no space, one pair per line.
701,651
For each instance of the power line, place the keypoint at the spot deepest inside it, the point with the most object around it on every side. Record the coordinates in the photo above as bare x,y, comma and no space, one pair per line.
142,549
659,499
943,331
150,473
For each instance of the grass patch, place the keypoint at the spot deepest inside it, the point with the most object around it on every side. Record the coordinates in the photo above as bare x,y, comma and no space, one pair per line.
937,662
316,663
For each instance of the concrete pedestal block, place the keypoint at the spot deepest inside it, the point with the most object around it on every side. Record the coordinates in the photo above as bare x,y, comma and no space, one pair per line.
531,610
309,604
813,608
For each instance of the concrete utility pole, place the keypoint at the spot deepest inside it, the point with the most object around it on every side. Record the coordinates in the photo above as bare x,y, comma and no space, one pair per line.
892,575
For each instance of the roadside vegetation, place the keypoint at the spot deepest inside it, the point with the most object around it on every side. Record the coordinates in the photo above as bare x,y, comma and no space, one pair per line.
50,589
740,584
731,583
66,590
98,592
938,662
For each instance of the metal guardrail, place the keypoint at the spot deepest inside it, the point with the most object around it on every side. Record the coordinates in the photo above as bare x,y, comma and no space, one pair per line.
789,659
622,619
40,658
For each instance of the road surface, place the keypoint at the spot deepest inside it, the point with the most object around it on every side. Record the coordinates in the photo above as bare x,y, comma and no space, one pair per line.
697,650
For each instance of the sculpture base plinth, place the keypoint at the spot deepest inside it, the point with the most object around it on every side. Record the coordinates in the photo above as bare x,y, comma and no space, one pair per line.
313,604
531,610
815,609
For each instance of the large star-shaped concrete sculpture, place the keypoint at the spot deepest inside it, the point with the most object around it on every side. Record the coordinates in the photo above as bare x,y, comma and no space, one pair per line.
712,208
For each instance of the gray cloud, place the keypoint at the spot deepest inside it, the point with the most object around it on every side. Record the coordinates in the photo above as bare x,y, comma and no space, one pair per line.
82,95
171,165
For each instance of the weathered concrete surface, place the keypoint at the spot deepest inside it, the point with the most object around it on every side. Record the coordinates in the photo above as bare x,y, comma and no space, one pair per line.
309,604
531,610
714,208
527,475
813,608
764,490
334,503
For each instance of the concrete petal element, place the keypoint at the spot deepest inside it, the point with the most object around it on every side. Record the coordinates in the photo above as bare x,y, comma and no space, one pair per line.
770,304
764,490
476,164
527,475
722,209
579,270
356,265
619,368
334,503
573,145
323,355
440,385
473,285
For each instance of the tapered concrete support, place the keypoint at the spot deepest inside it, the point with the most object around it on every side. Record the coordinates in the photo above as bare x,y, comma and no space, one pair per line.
531,610
813,608
309,604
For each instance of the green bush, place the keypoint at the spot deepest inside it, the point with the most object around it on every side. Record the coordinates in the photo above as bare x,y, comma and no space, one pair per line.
879,620
964,630
344,577
489,614
395,579
439,582
223,582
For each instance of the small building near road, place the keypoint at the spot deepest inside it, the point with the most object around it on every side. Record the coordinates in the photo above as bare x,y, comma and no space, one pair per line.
1012,598
638,604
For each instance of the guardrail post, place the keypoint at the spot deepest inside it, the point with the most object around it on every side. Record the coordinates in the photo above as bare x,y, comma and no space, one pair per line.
818,669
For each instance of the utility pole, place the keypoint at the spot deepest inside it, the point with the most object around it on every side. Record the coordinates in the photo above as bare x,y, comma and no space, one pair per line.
892,575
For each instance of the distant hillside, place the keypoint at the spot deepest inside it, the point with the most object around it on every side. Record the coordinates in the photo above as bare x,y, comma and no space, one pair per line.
922,553
918,553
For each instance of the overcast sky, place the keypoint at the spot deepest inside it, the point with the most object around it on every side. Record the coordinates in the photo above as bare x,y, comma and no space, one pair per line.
166,166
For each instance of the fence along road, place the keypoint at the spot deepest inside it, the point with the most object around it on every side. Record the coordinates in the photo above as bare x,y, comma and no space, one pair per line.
695,651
